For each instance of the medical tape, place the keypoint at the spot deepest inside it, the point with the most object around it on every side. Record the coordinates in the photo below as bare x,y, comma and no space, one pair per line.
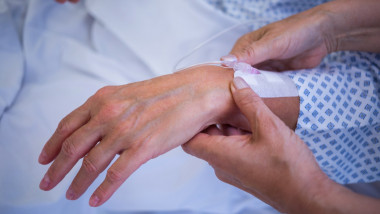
266,84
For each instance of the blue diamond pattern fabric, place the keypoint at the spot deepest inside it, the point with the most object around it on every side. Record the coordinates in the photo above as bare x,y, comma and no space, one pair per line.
339,116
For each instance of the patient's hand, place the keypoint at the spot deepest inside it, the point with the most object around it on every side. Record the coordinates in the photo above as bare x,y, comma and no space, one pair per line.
141,121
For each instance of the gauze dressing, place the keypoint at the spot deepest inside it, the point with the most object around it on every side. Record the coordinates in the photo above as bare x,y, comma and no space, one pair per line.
266,83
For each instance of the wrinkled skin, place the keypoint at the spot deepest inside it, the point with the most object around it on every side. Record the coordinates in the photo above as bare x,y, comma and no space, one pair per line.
138,121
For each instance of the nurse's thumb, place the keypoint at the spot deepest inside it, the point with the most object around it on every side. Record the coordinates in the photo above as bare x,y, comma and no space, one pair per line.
250,104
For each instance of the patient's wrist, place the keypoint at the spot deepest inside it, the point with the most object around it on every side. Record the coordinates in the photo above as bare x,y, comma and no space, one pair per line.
213,82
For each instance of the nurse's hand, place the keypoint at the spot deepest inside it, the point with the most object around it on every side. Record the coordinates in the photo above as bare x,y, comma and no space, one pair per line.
138,121
293,43
303,40
273,163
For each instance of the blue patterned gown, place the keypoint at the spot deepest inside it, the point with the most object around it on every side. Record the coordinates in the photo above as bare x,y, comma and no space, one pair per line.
339,111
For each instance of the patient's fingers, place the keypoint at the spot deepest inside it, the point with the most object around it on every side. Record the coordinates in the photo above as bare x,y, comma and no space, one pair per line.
213,130
73,148
124,166
66,127
93,164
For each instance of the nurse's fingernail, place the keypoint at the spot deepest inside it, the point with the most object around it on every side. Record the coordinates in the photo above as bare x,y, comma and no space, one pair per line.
45,182
240,83
229,58
70,194
42,158
94,200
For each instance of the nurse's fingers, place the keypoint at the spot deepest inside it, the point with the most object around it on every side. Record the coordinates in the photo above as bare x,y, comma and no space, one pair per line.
229,130
128,162
213,130
73,148
93,164
205,146
215,149
66,127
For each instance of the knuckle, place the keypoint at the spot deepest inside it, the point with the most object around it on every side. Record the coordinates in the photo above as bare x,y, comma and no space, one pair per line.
104,91
114,176
250,52
68,148
102,94
89,166
63,127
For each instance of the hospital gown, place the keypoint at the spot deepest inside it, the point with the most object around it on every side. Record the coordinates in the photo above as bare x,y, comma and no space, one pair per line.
339,100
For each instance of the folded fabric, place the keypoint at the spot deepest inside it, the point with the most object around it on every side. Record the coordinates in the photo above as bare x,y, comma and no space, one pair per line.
70,52
11,57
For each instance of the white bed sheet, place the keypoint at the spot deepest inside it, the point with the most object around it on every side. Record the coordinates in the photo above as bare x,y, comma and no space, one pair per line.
71,51
11,58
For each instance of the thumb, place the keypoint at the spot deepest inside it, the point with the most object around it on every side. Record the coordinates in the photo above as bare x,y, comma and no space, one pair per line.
249,52
250,104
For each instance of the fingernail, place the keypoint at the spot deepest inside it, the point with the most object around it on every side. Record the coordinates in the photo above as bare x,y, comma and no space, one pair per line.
42,158
70,194
229,58
240,83
94,200
45,182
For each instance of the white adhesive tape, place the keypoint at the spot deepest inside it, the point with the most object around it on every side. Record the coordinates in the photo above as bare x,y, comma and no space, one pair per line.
269,84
